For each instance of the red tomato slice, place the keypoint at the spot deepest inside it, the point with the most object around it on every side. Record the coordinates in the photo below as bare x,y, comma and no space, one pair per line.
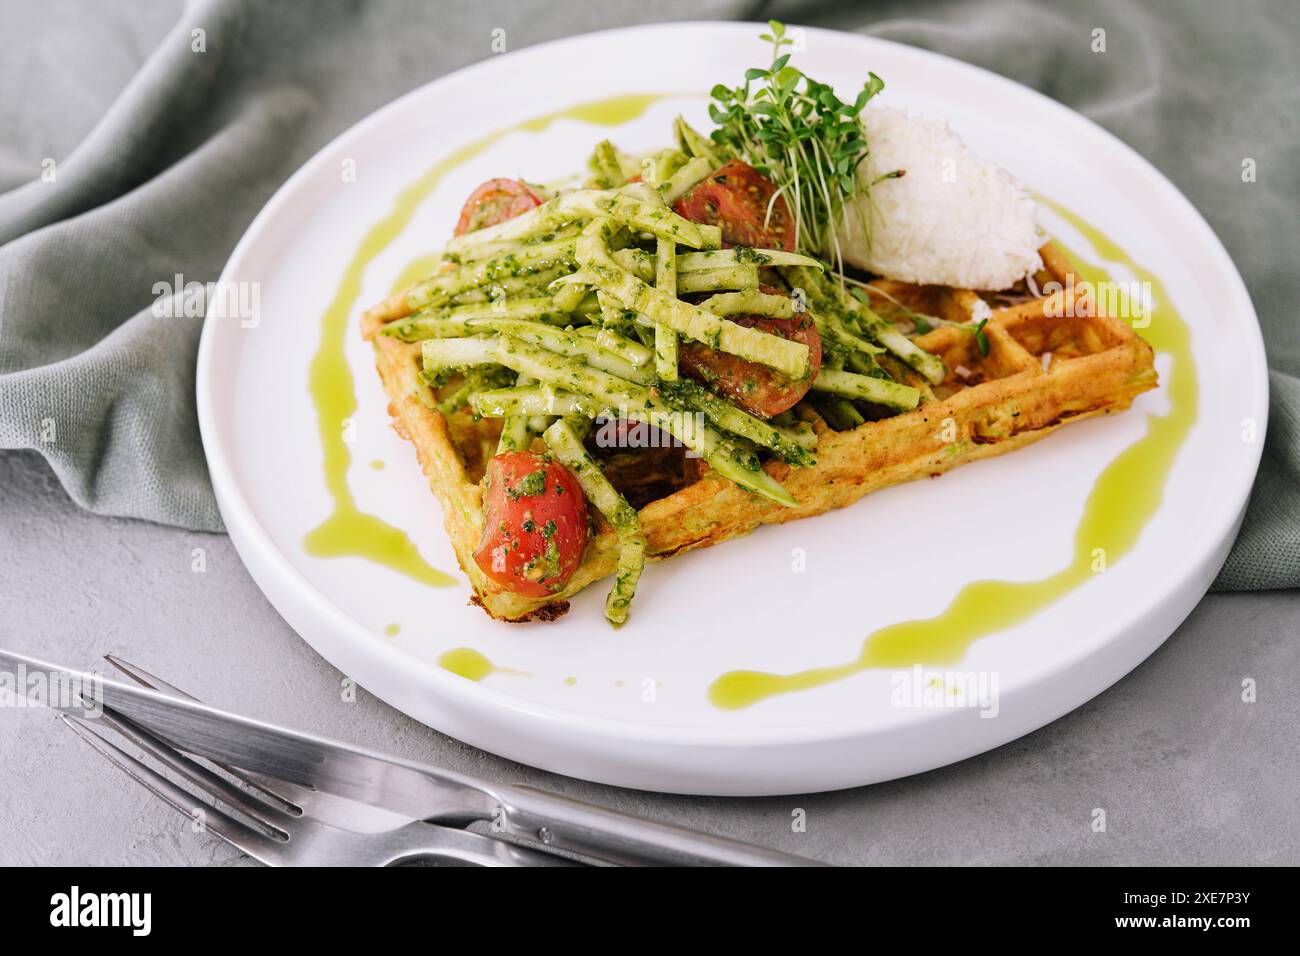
535,528
754,387
495,201
735,196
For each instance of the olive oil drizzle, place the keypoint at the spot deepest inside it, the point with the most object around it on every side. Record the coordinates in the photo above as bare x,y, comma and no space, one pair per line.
348,531
1123,499
467,663
472,665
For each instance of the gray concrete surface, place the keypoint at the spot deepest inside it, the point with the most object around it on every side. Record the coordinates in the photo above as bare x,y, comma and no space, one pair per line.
1187,772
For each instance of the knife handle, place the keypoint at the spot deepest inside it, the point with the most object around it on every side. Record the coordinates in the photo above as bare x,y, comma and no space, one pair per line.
615,837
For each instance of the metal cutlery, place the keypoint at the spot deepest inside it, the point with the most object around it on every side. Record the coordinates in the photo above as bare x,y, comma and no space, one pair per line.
318,804
287,762
282,837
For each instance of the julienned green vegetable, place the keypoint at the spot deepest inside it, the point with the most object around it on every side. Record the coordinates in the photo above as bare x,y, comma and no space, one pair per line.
621,357
751,302
838,308
838,412
606,166
878,391
488,250
533,400
575,310
700,147
523,261
624,206
659,167
742,276
565,444
430,323
455,354
501,290
693,397
638,262
792,446
929,365
734,459
741,263
595,370
666,265
569,296
721,258
681,181
790,358
634,352
515,434
801,433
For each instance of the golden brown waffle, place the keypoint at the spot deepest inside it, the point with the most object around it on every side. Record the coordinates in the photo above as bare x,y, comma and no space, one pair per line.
1041,372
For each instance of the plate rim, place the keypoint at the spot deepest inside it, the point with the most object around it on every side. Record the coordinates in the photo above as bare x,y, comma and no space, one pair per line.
249,535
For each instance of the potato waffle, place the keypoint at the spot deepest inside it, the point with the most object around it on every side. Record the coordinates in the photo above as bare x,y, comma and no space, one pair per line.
1051,360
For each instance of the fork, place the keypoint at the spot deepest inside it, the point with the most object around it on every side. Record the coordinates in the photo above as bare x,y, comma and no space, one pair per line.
298,800
281,831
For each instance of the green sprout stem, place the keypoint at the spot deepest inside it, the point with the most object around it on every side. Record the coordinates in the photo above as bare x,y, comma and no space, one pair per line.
799,134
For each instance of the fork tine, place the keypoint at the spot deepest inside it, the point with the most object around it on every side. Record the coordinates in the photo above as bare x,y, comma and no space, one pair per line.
195,773
152,682
238,835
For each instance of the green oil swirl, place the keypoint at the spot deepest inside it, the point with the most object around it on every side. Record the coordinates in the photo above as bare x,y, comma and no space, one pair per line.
1123,499
348,531
467,663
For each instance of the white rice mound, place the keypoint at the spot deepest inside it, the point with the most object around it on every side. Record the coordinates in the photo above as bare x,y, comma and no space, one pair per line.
953,219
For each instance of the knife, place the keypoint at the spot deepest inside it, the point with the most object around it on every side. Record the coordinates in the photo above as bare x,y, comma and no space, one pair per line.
405,787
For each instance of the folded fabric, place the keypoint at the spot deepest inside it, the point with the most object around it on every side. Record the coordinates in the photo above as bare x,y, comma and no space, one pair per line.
236,94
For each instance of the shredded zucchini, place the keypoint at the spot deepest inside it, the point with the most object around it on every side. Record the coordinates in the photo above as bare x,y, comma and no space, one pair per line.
582,303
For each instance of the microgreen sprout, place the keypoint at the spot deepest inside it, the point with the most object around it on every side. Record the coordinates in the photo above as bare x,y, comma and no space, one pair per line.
804,138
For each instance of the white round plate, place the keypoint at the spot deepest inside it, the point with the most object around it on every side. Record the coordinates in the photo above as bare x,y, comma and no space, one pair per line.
631,707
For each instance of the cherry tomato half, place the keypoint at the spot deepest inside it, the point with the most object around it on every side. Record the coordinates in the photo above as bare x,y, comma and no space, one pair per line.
735,196
495,201
535,528
754,387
